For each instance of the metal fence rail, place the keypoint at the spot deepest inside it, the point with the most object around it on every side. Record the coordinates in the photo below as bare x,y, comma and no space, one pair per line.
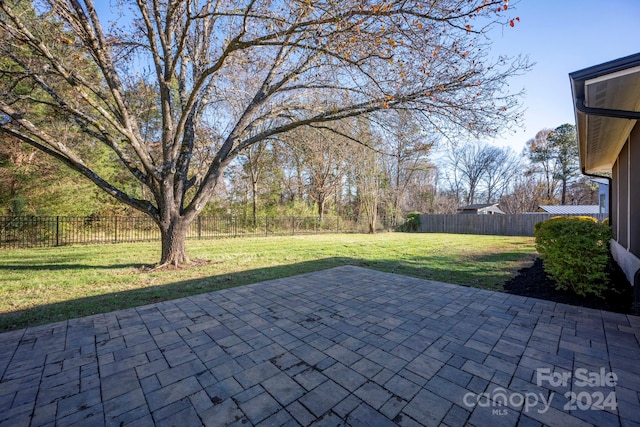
502,225
32,231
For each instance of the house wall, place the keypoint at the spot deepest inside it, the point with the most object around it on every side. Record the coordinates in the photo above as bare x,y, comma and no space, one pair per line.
634,191
625,192
625,215
615,190
622,210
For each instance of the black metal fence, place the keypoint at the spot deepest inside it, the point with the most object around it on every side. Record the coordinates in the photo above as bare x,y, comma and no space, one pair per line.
32,231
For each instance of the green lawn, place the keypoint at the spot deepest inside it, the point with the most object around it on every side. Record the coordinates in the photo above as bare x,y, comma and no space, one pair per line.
45,285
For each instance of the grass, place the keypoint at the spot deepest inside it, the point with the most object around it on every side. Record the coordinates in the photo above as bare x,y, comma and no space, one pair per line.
39,286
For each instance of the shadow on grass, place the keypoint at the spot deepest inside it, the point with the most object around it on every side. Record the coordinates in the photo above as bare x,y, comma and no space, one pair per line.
48,313
439,268
60,267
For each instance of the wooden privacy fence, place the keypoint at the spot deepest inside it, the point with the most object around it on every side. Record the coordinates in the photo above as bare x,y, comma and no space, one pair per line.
30,231
501,225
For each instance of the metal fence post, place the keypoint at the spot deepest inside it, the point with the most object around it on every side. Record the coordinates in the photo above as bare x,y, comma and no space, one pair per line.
115,229
57,231
199,227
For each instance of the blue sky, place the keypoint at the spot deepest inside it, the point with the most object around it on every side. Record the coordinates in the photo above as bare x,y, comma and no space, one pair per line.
562,36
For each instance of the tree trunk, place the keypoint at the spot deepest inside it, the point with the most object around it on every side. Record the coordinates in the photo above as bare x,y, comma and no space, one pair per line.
372,224
254,202
321,203
174,235
471,196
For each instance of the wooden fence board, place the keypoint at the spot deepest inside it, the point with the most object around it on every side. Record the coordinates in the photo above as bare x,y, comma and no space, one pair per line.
501,225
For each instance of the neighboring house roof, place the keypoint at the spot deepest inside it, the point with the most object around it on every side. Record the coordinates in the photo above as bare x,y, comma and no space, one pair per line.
606,103
477,206
482,207
571,209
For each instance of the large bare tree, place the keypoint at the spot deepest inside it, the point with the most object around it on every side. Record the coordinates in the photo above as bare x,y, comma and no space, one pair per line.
229,74
504,166
480,172
467,168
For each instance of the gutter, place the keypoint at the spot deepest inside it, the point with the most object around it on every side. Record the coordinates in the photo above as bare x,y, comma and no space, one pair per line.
606,112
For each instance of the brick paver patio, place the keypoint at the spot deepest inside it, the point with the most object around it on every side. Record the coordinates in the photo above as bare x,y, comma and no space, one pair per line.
346,346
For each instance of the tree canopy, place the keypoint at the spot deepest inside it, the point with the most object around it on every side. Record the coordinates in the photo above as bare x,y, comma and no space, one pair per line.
554,154
175,90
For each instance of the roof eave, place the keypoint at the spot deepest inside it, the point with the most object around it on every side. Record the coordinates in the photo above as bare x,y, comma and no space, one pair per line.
578,79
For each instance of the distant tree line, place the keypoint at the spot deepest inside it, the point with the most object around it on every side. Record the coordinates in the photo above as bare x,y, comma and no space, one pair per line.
545,173
389,171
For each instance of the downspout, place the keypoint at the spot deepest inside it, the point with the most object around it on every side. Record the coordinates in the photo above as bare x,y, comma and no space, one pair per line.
609,186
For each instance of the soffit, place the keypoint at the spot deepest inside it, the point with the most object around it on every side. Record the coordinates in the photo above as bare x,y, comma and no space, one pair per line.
614,85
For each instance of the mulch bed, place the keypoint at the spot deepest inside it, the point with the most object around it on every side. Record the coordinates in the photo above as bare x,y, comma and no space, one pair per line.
534,282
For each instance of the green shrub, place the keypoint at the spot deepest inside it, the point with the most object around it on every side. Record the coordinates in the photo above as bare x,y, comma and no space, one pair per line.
411,222
575,253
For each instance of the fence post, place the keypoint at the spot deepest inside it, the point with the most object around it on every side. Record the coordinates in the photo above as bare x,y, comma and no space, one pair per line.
57,231
293,226
199,227
266,226
115,229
